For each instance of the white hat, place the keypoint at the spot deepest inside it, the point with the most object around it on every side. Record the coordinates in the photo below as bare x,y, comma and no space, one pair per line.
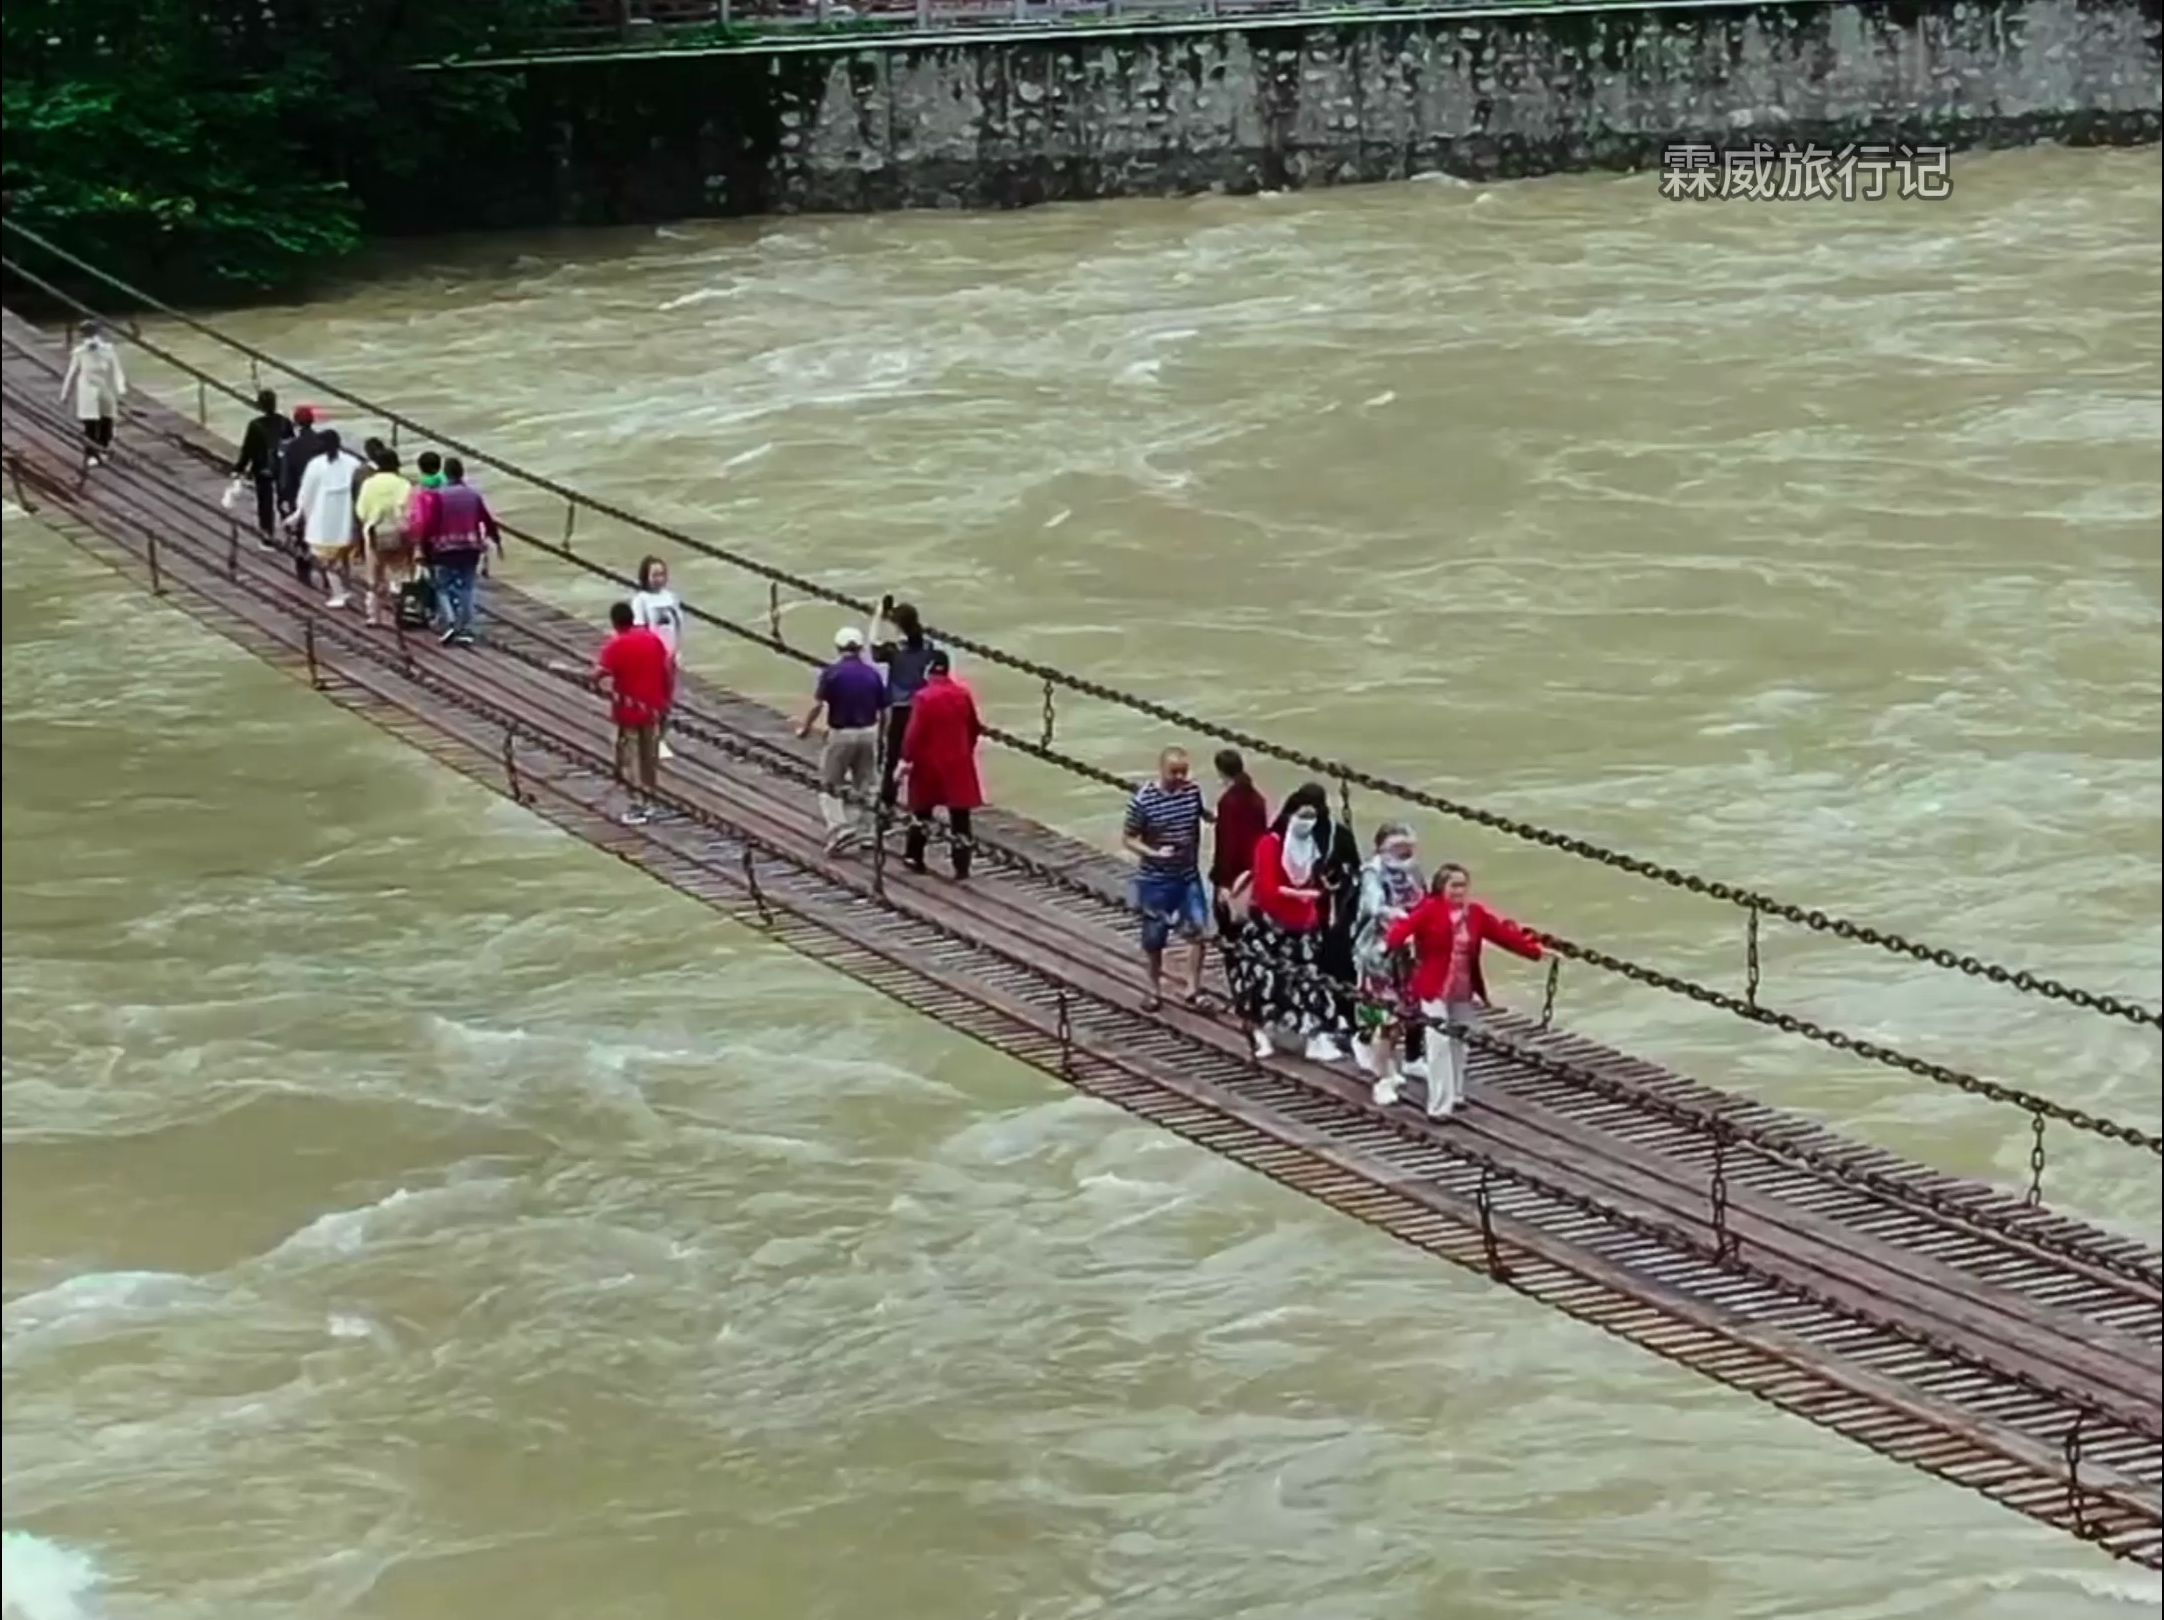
848,636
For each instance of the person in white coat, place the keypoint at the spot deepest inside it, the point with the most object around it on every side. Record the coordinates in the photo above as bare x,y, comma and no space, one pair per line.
96,383
323,513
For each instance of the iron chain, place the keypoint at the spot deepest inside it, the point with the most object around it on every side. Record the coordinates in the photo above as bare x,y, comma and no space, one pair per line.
1484,1204
758,895
1725,1246
1547,994
1045,740
2035,1195
1842,1041
2077,1497
1750,959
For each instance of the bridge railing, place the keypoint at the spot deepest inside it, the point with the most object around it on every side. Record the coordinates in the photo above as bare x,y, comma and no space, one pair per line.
1757,905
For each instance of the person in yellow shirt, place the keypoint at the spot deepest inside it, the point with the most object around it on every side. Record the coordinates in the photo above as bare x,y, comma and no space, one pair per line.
379,510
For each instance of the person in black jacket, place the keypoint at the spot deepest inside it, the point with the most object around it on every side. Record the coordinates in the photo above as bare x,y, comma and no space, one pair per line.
305,444
258,462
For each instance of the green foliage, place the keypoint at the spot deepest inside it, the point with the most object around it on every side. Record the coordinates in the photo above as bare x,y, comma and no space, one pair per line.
229,143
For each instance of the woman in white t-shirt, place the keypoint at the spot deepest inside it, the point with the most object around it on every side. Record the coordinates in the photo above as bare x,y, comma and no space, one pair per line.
655,606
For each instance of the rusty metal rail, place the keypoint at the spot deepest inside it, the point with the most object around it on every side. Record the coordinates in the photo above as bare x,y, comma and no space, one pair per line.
1993,1343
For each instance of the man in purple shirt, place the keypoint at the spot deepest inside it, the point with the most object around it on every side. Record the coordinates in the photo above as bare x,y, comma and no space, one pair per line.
854,695
456,526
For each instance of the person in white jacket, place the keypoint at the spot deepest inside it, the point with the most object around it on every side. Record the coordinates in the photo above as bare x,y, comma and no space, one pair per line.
323,513
96,383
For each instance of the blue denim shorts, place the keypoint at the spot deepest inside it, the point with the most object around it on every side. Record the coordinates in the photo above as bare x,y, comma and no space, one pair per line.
1169,903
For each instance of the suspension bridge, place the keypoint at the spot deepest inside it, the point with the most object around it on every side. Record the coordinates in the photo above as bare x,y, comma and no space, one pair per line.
1972,1332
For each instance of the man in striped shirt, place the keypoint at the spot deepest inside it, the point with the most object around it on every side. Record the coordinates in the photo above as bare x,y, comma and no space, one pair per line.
1164,829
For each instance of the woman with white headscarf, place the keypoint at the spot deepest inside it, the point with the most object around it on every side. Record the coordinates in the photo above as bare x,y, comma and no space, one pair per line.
96,384
1279,985
1390,886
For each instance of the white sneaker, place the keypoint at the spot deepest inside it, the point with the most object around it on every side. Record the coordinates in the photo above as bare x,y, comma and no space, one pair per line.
667,752
337,601
1324,1049
1265,1048
1364,1056
1386,1092
1416,1069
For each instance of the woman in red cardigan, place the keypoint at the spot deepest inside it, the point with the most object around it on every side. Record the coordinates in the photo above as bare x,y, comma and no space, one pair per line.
1280,983
1446,931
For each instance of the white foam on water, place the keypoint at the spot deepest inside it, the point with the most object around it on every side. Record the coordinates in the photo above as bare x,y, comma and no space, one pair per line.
92,1297
701,295
42,1580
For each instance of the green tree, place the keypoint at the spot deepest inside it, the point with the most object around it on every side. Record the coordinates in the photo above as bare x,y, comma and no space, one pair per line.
227,143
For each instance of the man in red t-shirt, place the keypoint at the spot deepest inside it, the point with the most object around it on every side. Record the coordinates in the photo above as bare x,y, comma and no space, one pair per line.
636,663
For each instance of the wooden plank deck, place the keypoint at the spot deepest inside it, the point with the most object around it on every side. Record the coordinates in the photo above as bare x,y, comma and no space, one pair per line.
1937,1321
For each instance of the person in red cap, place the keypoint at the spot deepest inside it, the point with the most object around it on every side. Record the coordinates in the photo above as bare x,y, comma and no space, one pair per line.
939,763
301,447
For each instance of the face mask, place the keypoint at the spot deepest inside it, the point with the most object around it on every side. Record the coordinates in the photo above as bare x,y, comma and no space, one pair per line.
1303,824
1397,863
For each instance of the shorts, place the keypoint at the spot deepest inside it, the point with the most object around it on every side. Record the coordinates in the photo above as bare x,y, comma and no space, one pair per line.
1171,903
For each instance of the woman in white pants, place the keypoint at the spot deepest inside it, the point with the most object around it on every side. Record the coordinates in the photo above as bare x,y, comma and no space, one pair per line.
1446,931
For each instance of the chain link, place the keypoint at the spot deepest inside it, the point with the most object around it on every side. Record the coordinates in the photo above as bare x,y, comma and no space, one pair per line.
758,895
1811,917
1484,1205
1750,959
1841,1041
2077,1496
1045,739
2034,1198
1725,1244
510,767
1547,994
1065,1030
773,612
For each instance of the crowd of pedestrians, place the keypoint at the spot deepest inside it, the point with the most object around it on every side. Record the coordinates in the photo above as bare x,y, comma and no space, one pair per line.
413,548
1340,952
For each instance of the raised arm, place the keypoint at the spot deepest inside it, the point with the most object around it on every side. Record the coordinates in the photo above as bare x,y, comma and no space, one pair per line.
1514,939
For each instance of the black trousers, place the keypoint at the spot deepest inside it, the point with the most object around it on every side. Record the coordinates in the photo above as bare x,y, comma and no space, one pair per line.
920,835
98,430
890,752
266,505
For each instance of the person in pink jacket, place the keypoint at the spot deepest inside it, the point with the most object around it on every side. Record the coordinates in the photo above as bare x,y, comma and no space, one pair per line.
1446,931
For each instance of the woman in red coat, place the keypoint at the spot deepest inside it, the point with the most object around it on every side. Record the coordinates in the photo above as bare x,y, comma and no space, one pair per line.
1280,982
1446,931
939,763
